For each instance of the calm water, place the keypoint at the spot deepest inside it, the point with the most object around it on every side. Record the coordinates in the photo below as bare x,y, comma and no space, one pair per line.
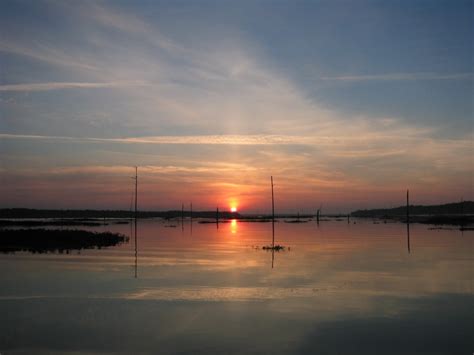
341,288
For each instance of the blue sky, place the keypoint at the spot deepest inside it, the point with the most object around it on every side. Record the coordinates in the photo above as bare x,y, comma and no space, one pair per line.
350,99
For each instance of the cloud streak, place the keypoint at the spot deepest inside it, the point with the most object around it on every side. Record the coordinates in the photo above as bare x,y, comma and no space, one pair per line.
68,85
45,53
192,140
401,77
260,139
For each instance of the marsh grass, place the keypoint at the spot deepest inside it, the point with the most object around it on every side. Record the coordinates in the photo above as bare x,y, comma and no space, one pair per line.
51,240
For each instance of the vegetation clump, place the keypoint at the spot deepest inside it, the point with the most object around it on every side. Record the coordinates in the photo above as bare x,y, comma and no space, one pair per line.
51,240
275,248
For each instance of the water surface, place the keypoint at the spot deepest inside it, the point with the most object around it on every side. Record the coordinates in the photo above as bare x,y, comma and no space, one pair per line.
338,288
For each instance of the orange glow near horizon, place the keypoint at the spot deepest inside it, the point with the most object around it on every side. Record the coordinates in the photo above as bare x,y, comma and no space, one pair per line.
102,187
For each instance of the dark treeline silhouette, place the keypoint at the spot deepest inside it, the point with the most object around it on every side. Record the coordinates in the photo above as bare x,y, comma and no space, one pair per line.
465,207
50,240
37,213
54,222
459,213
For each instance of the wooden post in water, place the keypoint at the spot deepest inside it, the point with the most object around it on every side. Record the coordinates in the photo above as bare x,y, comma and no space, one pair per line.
273,216
408,206
191,224
136,192
182,213
317,216
408,220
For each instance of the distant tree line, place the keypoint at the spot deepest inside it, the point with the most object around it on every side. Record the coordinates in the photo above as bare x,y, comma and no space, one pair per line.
457,208
38,213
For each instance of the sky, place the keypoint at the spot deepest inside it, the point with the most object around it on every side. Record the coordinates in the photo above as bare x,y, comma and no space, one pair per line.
345,103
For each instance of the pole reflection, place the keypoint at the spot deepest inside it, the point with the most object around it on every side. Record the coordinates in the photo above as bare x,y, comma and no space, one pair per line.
408,238
136,249
273,257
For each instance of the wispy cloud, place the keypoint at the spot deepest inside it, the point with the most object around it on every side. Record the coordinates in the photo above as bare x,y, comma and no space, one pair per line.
259,139
192,140
402,76
45,53
128,23
371,149
71,85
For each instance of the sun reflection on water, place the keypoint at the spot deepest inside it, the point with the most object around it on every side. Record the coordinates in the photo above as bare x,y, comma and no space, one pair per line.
233,226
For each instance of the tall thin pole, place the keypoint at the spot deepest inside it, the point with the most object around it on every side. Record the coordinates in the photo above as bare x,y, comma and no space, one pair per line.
273,216
408,206
408,220
136,191
191,222
131,206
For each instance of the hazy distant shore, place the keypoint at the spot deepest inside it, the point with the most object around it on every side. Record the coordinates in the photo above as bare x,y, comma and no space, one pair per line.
459,213
8,213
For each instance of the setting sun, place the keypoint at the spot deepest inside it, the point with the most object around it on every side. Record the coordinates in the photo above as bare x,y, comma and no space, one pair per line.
233,209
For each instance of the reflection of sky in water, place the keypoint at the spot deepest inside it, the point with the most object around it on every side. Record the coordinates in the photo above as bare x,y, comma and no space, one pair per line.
341,287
